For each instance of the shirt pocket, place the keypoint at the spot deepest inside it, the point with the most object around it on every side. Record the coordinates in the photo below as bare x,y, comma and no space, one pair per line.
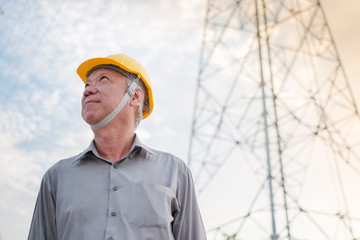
151,205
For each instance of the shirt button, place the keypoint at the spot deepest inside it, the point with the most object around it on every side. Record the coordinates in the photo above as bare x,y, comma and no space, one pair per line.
115,166
115,188
110,238
113,214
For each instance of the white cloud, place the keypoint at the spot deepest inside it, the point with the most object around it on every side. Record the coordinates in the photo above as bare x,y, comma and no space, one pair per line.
40,111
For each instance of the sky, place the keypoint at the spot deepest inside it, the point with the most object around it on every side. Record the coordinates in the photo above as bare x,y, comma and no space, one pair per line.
43,42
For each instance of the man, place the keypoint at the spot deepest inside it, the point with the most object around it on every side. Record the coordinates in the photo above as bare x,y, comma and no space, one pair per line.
117,188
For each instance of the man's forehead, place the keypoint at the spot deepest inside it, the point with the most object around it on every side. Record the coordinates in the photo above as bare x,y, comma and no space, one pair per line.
103,71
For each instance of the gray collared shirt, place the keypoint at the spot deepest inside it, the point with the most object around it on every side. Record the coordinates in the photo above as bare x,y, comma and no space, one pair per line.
146,195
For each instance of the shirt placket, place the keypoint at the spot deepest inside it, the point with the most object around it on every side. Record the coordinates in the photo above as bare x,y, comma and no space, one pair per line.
113,223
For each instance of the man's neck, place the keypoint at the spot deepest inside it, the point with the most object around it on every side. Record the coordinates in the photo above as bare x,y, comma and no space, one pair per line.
113,144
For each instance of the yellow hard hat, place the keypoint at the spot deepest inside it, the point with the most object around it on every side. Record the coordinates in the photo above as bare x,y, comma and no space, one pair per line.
127,63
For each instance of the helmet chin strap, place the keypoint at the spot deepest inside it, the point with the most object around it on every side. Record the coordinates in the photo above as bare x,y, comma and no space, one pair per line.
129,93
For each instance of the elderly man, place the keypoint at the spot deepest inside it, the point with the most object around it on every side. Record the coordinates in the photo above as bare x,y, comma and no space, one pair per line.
117,188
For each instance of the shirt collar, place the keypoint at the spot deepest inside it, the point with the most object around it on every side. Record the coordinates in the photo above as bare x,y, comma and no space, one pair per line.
135,146
138,144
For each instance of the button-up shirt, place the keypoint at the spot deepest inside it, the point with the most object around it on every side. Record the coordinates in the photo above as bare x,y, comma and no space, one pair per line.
146,195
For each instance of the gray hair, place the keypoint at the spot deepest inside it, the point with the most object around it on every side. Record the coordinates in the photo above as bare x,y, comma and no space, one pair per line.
139,114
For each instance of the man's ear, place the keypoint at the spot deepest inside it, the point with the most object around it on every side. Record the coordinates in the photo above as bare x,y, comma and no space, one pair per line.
137,97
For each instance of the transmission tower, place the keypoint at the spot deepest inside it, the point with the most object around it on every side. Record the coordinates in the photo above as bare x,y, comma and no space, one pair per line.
275,145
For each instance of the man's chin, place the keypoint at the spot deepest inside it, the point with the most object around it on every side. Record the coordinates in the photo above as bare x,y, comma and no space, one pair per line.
90,119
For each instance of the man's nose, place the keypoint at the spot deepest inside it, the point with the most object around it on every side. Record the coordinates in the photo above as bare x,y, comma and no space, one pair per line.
89,90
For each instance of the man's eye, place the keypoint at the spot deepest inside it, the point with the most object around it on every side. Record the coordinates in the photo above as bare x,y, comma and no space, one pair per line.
103,78
86,85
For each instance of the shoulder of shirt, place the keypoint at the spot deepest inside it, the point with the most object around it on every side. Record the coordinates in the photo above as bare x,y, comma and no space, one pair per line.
166,156
158,154
63,164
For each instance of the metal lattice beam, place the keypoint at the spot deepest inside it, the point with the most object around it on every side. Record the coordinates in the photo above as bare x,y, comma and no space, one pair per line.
274,105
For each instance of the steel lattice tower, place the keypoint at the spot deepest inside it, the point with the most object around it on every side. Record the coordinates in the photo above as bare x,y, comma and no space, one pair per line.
275,147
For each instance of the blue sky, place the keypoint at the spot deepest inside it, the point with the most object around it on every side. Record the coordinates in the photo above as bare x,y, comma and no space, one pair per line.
42,43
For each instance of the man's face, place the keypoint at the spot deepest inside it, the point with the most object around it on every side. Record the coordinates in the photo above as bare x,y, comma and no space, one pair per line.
103,91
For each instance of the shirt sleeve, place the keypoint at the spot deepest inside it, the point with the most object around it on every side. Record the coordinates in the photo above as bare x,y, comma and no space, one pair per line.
43,224
187,223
